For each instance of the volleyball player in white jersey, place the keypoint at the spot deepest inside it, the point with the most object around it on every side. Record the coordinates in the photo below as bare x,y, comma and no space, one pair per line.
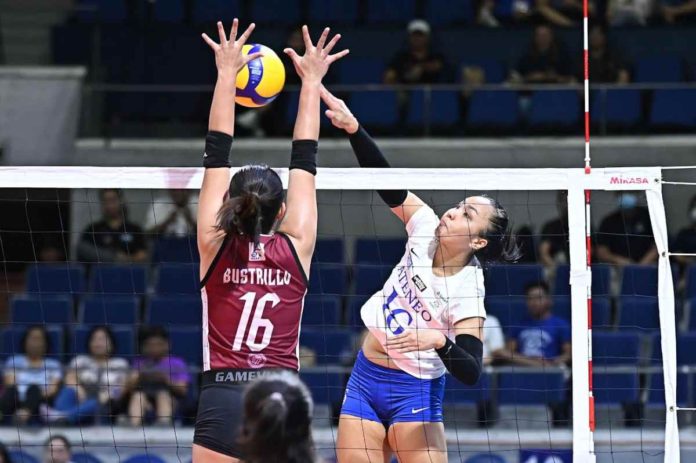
425,321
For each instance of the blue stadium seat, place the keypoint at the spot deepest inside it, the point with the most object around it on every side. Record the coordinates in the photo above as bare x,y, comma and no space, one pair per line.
656,390
659,68
601,280
686,349
360,71
328,279
171,11
379,251
174,310
617,107
332,346
329,251
673,108
601,313
458,392
117,279
326,388
144,458
510,310
615,348
175,250
438,108
510,280
493,70
42,309
18,456
531,388
485,458
353,318
124,336
332,11
691,282
12,336
276,11
370,278
320,310
381,11
615,388
554,108
56,278
110,11
111,310
375,108
638,313
209,11
178,279
71,44
187,343
494,109
85,458
445,12
639,280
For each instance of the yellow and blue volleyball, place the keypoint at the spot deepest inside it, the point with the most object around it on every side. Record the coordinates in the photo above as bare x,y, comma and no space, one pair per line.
262,79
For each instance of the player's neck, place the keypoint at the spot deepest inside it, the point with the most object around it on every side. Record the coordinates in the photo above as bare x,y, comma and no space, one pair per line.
446,263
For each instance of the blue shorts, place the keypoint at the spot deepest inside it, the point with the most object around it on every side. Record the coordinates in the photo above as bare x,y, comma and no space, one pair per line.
390,396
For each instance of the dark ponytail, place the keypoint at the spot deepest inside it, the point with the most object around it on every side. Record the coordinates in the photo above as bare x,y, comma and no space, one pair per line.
255,197
277,421
502,243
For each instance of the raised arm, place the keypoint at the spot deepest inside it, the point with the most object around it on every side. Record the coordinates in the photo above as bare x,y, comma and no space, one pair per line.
216,179
402,202
300,221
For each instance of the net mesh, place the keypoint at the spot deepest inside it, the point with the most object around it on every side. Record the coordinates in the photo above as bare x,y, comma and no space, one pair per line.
76,259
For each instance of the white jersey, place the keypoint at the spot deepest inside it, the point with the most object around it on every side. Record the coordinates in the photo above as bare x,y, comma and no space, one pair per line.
413,297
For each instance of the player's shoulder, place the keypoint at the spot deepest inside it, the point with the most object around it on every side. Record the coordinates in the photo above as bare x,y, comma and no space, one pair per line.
423,217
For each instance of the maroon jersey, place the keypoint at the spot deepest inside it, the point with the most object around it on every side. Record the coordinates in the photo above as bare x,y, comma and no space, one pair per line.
252,305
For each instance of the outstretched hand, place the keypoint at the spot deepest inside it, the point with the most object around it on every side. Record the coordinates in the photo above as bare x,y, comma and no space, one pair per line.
338,112
228,53
314,64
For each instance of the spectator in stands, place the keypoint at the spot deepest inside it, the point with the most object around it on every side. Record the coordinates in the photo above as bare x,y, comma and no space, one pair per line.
625,236
678,11
173,214
685,242
629,12
57,449
29,378
546,61
564,13
113,238
158,380
4,454
493,340
553,247
606,65
542,338
50,252
92,381
419,63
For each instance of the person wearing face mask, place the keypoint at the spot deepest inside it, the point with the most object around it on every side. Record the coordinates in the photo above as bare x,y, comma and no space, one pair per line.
625,236
686,239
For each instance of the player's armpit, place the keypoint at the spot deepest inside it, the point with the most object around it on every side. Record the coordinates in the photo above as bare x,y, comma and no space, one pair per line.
215,185
409,207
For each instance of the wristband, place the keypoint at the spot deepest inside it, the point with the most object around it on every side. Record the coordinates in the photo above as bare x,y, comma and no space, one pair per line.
304,155
217,150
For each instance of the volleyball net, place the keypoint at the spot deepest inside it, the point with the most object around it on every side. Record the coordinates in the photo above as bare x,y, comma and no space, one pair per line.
625,322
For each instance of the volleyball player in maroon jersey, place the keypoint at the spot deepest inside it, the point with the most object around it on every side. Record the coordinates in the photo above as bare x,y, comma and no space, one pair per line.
255,248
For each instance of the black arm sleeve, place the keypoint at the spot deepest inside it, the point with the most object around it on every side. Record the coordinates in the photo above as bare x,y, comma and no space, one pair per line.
217,150
369,155
464,359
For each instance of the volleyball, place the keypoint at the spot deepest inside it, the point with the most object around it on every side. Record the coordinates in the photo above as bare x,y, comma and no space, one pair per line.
262,79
